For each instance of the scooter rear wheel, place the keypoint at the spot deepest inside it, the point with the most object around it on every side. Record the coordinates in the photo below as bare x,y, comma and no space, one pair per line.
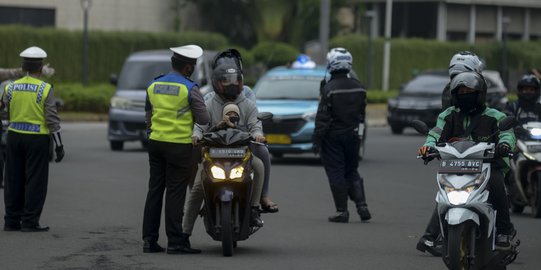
459,246
536,197
226,217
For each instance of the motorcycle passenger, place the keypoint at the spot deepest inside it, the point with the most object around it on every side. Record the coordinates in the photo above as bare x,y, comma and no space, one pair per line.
227,83
233,57
470,118
463,61
527,108
340,111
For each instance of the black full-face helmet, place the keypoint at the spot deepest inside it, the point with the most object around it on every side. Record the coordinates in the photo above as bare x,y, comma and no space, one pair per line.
528,81
227,75
476,98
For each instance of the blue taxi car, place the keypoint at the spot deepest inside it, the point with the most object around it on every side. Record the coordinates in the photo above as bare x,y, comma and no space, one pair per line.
292,95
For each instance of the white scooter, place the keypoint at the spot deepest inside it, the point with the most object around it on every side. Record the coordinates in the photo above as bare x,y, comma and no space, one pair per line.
467,219
525,183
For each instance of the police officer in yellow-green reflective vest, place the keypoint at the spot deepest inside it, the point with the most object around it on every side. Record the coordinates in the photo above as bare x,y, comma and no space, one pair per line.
173,104
33,121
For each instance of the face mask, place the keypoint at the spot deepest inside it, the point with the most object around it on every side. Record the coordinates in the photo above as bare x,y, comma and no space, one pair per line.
528,99
467,102
234,119
231,92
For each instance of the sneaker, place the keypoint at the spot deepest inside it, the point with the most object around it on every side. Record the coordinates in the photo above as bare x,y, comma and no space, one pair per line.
503,241
432,247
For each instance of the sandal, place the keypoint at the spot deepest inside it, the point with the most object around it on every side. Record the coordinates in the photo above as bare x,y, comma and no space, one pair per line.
269,208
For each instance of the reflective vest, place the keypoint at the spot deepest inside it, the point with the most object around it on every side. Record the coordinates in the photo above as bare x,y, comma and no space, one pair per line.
26,98
171,113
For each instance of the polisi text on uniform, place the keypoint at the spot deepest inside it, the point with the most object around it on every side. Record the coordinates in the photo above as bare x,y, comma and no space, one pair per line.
25,87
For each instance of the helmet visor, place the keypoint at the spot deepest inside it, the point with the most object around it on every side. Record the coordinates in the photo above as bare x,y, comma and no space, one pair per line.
229,79
469,80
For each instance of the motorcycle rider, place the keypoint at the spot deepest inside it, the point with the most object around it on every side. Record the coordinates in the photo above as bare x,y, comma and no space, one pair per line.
462,61
471,118
527,108
227,82
232,56
340,111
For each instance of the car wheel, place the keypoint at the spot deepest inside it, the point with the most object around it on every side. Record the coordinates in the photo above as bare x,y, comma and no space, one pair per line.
397,129
117,145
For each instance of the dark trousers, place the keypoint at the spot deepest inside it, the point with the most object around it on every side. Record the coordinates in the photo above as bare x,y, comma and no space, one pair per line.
27,173
497,197
340,158
170,171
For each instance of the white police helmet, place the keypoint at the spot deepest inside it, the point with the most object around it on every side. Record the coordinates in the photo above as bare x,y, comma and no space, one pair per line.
34,53
188,51
339,59
463,62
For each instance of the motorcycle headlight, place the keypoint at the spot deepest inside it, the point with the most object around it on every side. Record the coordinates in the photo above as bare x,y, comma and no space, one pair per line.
458,197
535,133
217,172
236,172
120,103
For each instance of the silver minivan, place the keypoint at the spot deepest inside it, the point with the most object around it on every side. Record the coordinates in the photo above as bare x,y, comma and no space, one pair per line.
127,111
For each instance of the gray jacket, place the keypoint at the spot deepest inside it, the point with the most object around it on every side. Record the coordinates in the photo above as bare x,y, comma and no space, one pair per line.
248,116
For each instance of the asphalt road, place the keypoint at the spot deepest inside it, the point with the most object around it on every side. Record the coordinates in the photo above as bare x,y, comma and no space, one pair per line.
96,198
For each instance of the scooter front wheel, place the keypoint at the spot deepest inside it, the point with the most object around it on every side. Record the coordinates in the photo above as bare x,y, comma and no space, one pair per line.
226,217
459,246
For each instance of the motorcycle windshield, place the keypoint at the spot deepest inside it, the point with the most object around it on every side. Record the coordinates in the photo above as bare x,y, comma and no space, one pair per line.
227,137
462,146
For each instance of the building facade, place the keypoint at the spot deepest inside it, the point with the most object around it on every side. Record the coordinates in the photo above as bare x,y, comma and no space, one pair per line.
457,20
110,15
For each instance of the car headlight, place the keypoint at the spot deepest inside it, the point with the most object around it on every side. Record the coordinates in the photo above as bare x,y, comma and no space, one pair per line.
217,172
309,116
236,172
120,103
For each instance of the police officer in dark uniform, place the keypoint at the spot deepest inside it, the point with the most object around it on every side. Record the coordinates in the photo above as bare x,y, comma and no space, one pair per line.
29,103
341,110
173,104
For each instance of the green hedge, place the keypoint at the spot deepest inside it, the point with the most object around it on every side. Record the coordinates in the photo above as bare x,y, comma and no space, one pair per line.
107,50
378,96
94,98
412,55
273,54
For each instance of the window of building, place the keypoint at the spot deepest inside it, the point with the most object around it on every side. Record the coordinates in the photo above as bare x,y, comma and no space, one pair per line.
38,17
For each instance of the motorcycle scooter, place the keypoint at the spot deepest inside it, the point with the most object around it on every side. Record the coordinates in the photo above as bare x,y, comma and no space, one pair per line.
227,179
467,219
525,183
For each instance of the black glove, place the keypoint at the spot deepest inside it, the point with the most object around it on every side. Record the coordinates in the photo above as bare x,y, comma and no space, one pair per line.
316,146
427,153
503,149
59,153
59,149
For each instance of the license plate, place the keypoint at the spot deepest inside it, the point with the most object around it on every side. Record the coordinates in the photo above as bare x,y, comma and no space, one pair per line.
534,148
461,166
227,152
278,139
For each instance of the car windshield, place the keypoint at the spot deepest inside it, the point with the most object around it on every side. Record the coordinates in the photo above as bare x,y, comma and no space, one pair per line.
426,84
302,87
138,75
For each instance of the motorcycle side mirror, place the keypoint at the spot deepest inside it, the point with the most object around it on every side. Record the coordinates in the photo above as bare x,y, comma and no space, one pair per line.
508,123
264,116
420,127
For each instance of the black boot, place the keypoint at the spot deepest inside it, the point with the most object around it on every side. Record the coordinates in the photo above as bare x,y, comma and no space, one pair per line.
255,218
340,197
185,241
356,194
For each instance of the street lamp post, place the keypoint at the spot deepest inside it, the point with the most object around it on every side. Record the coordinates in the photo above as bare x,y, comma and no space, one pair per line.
85,5
370,15
505,71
